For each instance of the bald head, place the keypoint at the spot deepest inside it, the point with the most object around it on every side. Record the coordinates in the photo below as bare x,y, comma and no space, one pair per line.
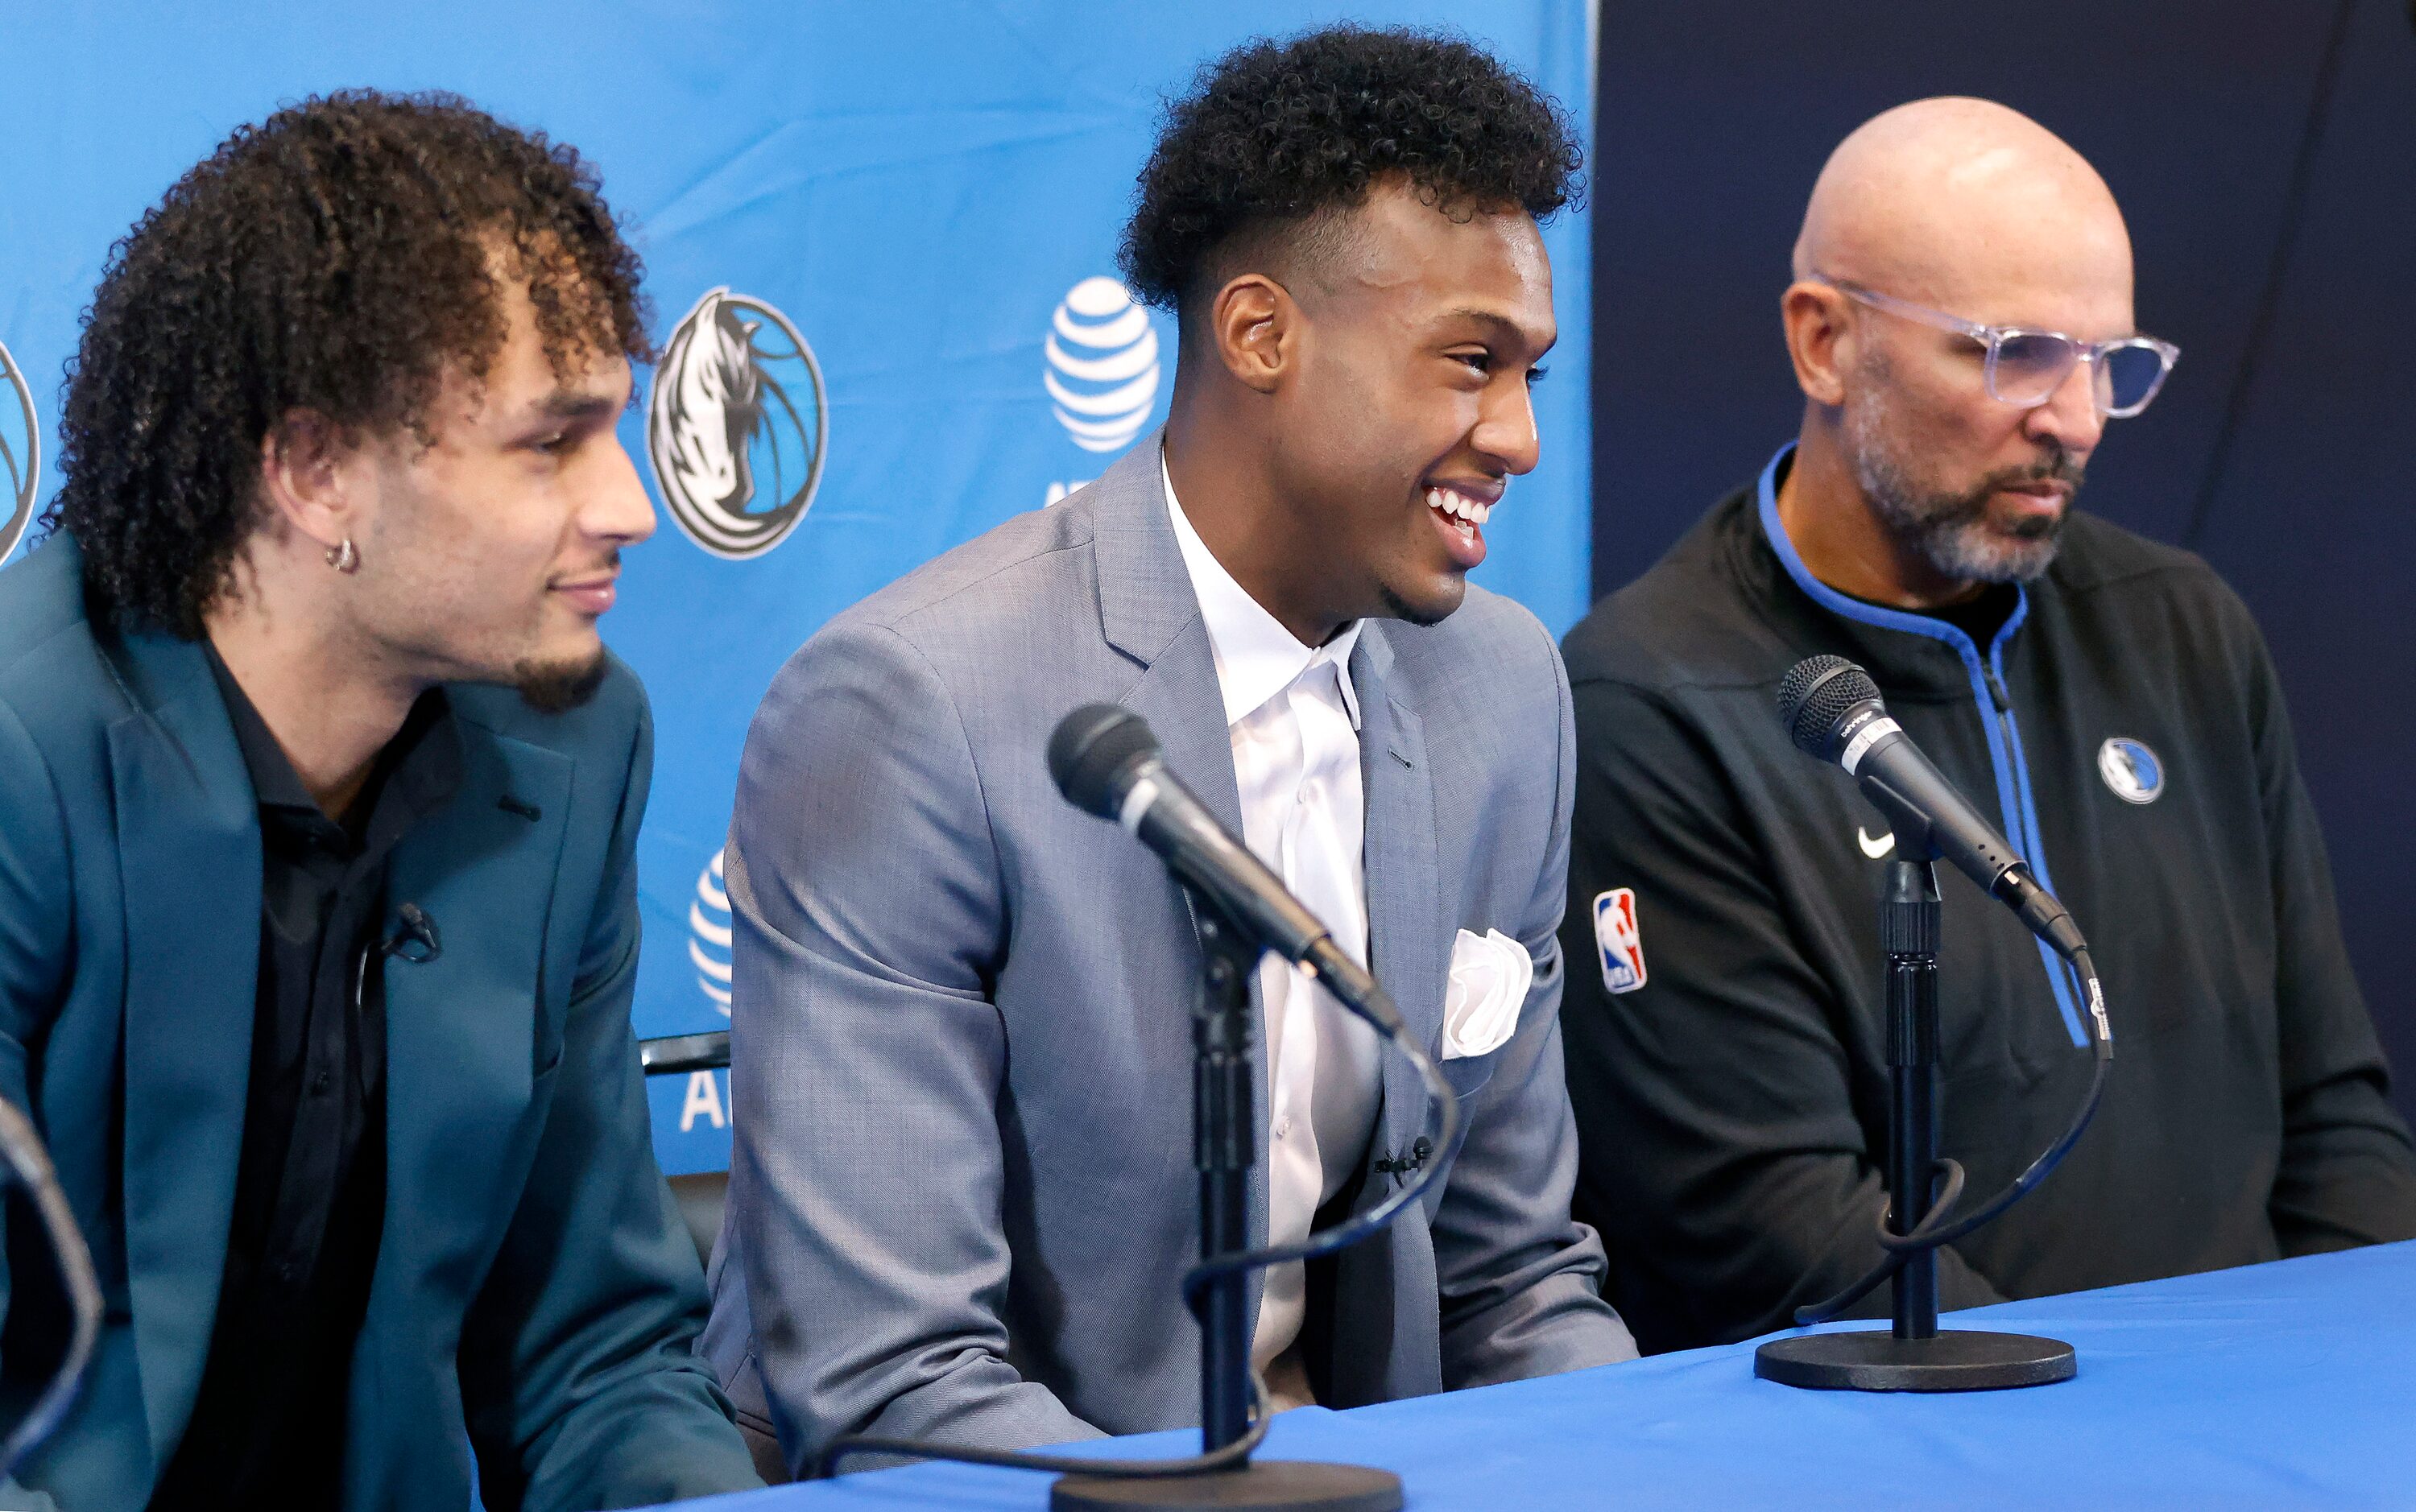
1969,206
1913,483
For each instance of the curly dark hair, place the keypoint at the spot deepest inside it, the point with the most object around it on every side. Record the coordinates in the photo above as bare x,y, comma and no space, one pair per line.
1275,134
336,259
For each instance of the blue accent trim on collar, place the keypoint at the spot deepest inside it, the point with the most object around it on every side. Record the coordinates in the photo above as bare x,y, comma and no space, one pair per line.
2014,808
1854,608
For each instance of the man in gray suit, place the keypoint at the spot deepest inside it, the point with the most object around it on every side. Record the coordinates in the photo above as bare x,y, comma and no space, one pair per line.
961,1193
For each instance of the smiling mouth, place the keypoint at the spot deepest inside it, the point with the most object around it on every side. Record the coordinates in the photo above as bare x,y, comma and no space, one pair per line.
593,596
1455,505
1461,522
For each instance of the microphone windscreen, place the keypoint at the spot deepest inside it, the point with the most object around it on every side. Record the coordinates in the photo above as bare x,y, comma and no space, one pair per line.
1091,748
1815,695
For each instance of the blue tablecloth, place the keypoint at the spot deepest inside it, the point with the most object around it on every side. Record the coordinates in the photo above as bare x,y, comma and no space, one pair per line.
2291,1385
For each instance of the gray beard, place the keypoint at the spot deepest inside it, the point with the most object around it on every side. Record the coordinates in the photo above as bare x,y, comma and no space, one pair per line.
1951,531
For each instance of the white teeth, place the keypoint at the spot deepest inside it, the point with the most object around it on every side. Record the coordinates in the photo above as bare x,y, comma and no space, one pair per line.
1457,505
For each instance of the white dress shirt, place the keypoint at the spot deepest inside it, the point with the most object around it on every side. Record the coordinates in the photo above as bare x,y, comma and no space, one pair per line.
1293,720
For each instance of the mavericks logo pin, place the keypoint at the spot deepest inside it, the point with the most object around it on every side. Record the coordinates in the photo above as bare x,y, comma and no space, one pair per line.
2131,769
736,426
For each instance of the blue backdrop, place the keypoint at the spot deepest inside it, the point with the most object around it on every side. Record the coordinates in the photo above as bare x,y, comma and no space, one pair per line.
879,240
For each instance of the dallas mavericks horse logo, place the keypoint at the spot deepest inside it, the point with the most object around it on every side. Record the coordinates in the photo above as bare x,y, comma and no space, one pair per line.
2131,769
21,454
736,426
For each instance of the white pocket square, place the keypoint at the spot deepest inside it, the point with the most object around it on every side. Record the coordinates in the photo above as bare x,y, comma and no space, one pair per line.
1489,978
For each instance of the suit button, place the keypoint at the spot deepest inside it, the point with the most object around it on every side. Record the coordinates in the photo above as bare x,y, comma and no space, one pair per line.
318,1083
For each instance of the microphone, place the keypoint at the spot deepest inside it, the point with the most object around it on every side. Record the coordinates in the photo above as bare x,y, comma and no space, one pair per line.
418,941
1106,762
1832,708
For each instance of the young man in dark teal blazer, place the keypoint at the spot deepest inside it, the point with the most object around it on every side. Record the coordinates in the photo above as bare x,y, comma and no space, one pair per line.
318,797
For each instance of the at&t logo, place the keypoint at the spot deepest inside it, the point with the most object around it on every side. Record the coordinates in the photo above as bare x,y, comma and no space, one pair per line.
736,426
708,951
1102,370
709,934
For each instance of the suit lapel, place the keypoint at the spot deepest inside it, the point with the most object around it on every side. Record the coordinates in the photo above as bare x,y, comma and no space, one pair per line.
1405,943
463,1040
1149,611
469,1031
1382,1293
189,860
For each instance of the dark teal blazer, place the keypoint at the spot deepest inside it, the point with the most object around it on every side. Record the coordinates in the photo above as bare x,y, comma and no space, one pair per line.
534,1286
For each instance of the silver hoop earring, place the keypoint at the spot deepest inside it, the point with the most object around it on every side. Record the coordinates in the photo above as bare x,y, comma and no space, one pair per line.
343,558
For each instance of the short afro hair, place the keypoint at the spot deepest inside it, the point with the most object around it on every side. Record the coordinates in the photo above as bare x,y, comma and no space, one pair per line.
335,258
1273,134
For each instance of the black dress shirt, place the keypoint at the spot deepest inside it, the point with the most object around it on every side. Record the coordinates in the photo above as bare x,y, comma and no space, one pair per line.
268,1428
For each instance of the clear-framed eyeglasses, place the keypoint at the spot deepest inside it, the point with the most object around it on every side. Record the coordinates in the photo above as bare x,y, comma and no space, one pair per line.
2024,368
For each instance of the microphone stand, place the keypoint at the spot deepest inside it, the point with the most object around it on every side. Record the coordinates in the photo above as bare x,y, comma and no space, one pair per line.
1224,1121
29,1163
1913,1355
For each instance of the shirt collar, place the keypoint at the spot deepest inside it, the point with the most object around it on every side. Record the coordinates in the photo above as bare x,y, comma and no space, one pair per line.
273,779
415,774
1766,505
1256,656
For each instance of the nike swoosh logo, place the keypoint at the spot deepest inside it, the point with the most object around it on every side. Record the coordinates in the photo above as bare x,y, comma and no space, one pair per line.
1875,849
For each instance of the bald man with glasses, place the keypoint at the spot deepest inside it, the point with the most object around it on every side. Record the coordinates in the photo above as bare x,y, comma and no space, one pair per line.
1960,322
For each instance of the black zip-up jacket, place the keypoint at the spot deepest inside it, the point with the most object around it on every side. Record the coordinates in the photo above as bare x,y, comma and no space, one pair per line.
1733,1106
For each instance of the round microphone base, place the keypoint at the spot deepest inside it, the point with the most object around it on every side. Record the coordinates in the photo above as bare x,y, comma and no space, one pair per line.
1955,1360
1266,1485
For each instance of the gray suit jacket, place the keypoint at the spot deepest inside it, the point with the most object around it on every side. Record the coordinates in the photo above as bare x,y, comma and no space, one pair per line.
961,1193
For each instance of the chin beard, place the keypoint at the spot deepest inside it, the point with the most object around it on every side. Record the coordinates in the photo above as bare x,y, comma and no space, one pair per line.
558,687
1951,531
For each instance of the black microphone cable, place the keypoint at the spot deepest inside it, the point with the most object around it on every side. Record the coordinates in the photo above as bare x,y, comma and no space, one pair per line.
1834,713
22,1147
1379,1012
1386,1022
1940,1226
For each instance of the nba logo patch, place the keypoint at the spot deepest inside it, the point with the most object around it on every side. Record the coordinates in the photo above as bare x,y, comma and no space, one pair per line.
1616,939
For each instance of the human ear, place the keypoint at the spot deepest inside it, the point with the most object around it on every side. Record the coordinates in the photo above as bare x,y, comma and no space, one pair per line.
1257,329
1813,316
303,480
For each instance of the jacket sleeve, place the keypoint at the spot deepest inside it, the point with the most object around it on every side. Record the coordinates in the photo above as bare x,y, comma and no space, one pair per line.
578,1378
35,919
1721,1149
867,1057
2346,1175
1520,1280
